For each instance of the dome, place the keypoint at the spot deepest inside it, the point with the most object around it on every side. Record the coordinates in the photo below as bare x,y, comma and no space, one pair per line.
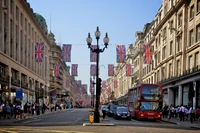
40,18
42,22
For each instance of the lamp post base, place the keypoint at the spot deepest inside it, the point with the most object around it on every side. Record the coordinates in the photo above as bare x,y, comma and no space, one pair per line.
96,116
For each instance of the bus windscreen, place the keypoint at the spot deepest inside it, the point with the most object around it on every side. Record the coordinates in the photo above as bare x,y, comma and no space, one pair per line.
152,92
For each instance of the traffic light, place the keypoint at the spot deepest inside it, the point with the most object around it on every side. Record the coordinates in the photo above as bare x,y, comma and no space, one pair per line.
100,85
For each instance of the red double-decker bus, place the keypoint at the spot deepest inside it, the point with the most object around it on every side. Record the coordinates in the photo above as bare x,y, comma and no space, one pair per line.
145,101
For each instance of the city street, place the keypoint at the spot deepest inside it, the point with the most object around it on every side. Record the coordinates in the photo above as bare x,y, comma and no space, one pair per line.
71,121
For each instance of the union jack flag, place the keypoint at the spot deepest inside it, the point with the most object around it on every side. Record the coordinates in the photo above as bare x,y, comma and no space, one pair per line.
147,54
128,69
121,53
57,70
74,69
104,84
79,82
66,52
39,52
115,84
110,70
93,55
67,83
93,70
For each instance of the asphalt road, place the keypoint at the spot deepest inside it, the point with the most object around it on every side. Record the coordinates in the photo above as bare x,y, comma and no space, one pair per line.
71,121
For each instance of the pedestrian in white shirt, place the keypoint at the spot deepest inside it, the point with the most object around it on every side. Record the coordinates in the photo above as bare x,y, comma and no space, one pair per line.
182,113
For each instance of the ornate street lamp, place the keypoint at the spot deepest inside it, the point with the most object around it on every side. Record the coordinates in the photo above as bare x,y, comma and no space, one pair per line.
97,51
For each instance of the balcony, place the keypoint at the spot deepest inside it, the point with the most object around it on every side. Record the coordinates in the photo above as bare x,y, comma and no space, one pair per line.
24,84
4,77
15,81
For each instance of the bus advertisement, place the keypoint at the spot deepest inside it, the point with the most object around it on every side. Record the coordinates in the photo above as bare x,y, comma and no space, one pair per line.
145,101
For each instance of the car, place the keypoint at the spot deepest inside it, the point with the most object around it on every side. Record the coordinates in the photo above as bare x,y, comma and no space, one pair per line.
122,113
104,108
111,108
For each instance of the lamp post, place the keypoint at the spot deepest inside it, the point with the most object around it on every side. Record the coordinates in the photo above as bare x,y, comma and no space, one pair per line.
97,51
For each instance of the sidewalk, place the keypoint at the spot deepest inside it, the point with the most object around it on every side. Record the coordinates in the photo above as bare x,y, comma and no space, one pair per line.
104,122
14,120
186,123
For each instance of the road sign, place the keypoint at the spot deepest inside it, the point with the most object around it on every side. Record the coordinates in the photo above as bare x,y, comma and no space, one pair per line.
91,116
19,93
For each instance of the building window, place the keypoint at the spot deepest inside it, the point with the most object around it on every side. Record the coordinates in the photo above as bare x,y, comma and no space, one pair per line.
178,67
180,19
11,6
196,60
164,32
198,5
179,43
159,57
163,52
191,38
171,26
17,13
158,74
163,72
170,70
170,48
192,12
190,63
198,33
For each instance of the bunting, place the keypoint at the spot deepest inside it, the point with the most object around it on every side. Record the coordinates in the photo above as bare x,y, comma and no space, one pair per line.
103,84
93,70
147,54
39,52
128,69
79,82
57,69
115,84
66,52
74,70
93,55
67,83
121,53
110,70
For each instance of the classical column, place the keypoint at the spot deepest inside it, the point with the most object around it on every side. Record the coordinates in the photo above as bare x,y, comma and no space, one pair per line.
180,94
170,96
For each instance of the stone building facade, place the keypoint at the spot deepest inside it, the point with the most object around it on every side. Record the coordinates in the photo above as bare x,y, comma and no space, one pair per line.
174,35
19,31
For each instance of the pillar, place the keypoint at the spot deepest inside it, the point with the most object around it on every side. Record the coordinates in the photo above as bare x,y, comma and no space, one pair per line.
170,96
180,94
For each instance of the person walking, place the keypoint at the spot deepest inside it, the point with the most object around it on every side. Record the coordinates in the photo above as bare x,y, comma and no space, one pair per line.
182,112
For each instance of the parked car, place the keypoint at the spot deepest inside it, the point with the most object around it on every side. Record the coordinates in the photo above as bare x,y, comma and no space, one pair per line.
122,113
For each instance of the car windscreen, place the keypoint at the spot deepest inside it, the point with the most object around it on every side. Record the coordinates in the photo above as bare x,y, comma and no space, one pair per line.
122,109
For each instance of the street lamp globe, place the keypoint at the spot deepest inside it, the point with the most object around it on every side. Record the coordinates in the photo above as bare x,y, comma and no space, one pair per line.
89,40
97,33
106,40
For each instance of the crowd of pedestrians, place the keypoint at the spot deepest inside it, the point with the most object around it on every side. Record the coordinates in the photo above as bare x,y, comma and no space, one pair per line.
19,111
181,112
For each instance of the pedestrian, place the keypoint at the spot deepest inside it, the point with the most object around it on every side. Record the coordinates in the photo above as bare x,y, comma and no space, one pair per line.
182,112
32,109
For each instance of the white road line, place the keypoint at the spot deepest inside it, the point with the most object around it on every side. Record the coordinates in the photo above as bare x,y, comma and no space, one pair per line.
32,120
76,121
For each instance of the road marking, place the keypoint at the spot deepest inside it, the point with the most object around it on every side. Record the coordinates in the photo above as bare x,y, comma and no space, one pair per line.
32,120
7,130
76,121
73,110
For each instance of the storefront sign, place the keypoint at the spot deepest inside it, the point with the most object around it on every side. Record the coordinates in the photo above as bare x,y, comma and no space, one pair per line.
19,93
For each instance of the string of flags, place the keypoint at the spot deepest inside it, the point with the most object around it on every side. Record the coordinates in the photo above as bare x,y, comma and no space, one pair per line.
120,58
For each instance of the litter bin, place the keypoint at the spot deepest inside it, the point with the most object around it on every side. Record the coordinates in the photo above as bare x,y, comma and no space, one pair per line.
91,116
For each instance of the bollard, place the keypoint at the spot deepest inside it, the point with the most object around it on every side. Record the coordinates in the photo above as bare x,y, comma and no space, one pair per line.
91,116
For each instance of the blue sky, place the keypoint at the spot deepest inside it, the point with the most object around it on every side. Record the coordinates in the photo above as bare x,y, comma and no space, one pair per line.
71,20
